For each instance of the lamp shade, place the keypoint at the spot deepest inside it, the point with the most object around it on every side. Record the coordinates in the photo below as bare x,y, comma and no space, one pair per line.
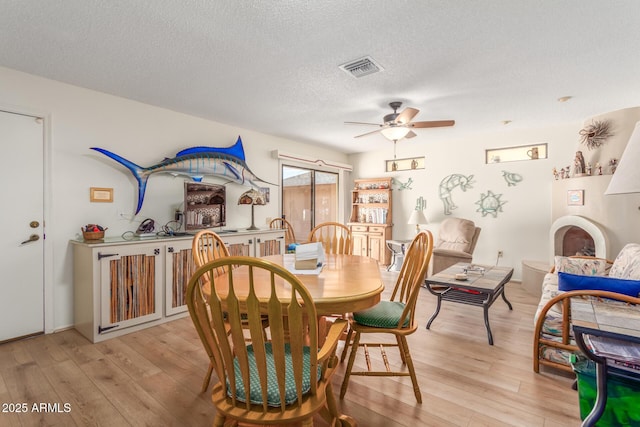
626,178
395,133
252,197
417,218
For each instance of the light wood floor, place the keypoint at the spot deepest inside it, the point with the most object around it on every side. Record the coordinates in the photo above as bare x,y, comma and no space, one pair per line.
153,377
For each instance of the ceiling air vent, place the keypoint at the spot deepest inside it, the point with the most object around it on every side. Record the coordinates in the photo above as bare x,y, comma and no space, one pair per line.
361,67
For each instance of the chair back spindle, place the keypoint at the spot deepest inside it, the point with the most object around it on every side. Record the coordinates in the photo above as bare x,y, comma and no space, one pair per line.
336,238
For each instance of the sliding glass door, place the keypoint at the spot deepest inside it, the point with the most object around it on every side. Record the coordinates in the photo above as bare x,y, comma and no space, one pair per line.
309,197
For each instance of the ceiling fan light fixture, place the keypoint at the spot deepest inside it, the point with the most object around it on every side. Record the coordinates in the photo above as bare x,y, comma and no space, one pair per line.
395,133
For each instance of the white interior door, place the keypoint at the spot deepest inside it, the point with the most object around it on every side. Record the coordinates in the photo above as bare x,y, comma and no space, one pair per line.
21,246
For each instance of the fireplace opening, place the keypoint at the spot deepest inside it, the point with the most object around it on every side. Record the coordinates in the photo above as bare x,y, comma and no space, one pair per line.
576,241
574,234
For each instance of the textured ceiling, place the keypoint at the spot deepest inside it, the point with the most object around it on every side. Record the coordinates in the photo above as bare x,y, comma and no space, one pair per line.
272,66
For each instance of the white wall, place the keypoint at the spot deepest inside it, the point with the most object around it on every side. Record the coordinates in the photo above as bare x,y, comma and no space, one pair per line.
521,229
618,215
79,119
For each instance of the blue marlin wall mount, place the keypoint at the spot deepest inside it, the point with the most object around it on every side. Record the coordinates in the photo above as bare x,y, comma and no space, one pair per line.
196,163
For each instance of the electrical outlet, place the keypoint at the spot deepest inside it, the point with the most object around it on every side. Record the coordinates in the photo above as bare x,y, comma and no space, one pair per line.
500,254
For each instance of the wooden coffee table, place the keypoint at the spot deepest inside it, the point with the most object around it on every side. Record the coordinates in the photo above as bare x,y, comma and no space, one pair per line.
481,288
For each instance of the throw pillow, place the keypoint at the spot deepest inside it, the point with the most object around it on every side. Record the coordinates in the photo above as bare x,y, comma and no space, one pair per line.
627,263
576,282
582,266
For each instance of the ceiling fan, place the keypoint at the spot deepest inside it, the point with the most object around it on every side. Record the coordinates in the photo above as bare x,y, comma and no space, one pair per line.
399,125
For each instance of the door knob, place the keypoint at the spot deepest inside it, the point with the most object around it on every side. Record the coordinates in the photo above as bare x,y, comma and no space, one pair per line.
32,238
34,224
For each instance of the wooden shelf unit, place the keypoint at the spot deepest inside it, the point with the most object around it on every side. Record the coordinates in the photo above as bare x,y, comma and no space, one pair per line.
204,206
371,218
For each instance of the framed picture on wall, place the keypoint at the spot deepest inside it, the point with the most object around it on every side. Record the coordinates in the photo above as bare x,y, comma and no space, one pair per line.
575,197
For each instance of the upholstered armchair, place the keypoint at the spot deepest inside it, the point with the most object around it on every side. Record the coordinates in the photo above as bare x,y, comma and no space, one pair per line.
456,241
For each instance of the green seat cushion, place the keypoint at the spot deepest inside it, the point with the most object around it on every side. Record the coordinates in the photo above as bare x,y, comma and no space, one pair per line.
385,314
273,396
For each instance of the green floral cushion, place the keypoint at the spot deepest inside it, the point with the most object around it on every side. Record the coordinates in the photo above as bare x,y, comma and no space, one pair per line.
273,396
385,314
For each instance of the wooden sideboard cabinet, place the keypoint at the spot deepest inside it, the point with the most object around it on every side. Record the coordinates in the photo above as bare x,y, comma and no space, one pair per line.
121,286
371,220
370,240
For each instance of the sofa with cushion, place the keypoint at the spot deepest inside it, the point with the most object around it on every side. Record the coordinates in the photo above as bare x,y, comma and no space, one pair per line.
581,277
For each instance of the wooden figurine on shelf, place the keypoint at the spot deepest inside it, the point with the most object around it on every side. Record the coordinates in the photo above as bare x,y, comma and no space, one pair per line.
555,174
588,168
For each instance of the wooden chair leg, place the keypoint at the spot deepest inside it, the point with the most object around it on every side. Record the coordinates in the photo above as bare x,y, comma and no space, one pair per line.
332,415
402,349
352,358
414,379
219,420
207,378
347,342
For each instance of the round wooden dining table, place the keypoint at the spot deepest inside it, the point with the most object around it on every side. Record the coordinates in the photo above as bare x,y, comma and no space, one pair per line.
346,283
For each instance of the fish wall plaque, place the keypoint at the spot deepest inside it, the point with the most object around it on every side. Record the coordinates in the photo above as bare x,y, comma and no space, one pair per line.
196,163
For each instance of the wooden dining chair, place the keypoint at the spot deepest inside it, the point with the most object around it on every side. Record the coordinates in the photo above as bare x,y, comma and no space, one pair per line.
396,317
335,237
283,224
208,246
284,380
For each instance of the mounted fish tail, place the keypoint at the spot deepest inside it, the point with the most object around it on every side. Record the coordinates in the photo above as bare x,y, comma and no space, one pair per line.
196,163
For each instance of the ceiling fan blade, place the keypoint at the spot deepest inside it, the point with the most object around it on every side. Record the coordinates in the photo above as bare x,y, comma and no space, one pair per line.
411,134
369,133
362,123
432,124
406,115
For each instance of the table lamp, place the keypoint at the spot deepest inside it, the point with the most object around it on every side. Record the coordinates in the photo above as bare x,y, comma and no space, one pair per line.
417,218
626,178
252,197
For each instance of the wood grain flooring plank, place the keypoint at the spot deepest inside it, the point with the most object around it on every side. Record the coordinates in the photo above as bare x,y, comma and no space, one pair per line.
88,404
79,349
132,362
26,384
183,365
136,406
185,403
9,415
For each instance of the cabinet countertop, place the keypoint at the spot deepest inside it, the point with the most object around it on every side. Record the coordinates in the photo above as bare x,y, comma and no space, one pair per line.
131,239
